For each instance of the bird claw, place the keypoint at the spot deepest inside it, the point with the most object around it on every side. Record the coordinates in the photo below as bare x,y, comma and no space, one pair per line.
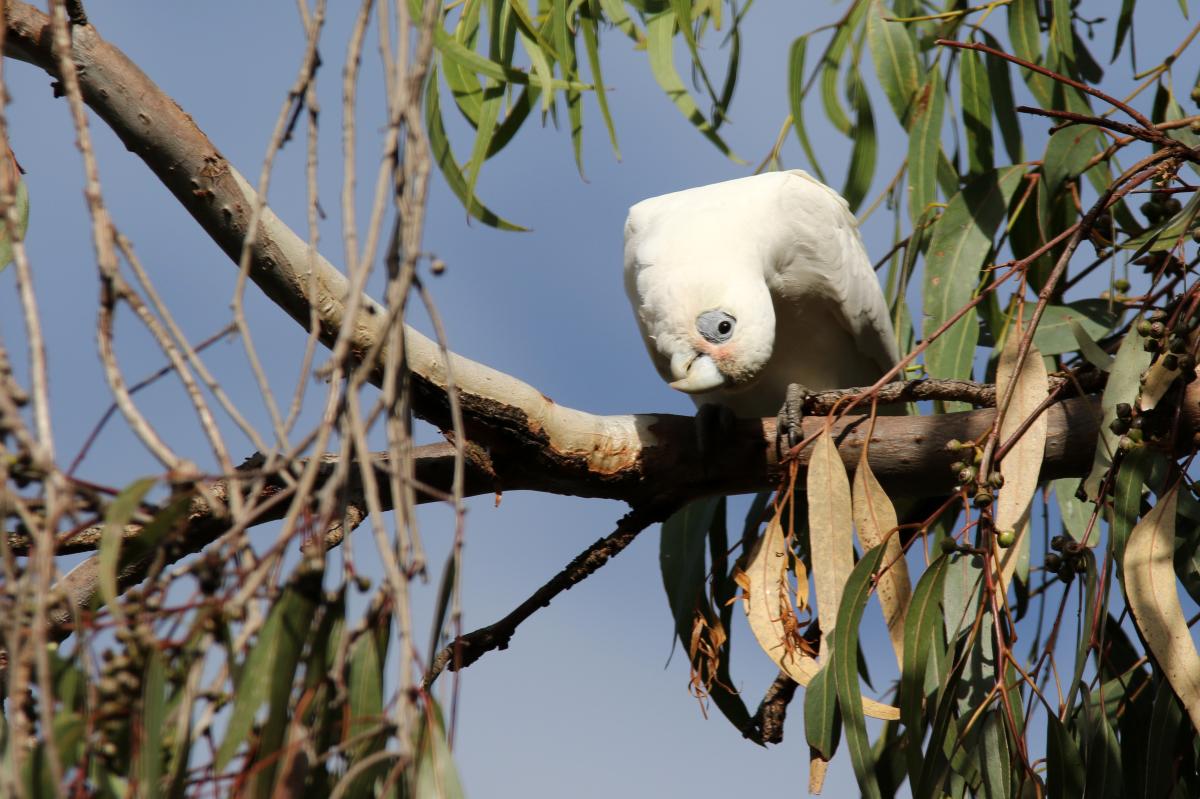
788,429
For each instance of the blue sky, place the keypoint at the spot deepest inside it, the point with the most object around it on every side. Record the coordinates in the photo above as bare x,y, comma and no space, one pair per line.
583,702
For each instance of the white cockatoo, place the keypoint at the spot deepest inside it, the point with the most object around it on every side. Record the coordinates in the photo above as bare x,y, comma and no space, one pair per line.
744,288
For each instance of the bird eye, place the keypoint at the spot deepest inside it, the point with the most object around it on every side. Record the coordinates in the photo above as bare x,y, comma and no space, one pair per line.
715,326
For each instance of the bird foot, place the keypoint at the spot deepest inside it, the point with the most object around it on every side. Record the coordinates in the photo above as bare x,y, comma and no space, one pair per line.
788,429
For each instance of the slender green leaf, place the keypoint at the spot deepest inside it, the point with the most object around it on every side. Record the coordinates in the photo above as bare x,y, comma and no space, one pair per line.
1122,386
1054,335
831,63
451,48
961,241
977,111
796,101
119,513
659,32
1024,32
822,719
591,41
1167,235
1061,34
436,776
922,639
1005,107
22,207
924,145
266,676
995,757
844,664
1064,769
150,754
1124,23
862,156
443,156
894,51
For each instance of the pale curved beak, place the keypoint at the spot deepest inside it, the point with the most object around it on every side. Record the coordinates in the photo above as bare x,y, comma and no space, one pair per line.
696,374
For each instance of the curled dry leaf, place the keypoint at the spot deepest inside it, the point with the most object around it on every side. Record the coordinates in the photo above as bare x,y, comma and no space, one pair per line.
1023,463
1154,599
875,519
765,599
829,524
1158,379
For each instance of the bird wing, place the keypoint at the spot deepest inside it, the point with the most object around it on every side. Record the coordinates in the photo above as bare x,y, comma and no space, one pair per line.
822,255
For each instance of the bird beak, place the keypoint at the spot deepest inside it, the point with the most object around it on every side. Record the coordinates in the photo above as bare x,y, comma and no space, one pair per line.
695,373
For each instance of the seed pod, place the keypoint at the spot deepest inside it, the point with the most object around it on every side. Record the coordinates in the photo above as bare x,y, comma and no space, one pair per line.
1053,562
1006,538
1057,542
948,545
1143,328
983,498
1124,410
1119,426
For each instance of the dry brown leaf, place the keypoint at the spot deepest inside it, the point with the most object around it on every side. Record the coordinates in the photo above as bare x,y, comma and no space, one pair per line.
816,773
1023,463
1158,379
1154,599
829,531
767,604
875,519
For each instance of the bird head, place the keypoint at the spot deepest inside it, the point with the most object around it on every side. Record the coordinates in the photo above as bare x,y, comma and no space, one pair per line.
713,328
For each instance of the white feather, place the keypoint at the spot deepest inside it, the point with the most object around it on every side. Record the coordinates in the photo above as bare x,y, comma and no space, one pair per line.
781,253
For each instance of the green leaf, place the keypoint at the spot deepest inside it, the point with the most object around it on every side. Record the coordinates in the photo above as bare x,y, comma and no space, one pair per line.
844,664
615,11
977,112
830,66
796,101
1166,235
1122,386
368,653
1124,22
22,207
1103,777
451,48
591,41
822,719
961,241
1127,499
1004,106
439,144
681,560
435,775
862,157
565,43
489,113
1064,770
923,641
1163,738
150,753
995,757
1061,35
119,513
1054,335
682,547
659,32
1024,32
266,676
924,145
894,51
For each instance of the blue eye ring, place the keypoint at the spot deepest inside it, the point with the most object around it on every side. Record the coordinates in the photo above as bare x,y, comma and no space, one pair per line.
716,326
